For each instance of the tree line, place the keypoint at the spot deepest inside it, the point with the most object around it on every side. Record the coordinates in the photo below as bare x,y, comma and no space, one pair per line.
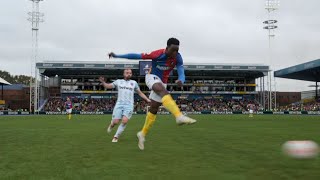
15,79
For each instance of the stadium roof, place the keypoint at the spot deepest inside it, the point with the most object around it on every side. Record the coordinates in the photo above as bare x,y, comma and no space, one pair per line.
15,87
4,82
309,71
52,68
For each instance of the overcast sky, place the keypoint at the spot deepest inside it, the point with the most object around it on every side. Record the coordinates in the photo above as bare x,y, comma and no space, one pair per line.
213,31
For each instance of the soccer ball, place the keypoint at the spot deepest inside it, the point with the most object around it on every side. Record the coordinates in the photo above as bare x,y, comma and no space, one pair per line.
301,149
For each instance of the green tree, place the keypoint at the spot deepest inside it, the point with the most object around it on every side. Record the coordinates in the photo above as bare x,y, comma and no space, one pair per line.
15,79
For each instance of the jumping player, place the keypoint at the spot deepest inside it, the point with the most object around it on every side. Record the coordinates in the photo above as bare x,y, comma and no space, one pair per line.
124,106
163,62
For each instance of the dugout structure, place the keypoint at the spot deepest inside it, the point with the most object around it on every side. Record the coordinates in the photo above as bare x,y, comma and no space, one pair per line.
203,80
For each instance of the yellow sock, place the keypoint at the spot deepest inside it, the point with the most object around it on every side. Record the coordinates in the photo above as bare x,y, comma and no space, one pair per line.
69,116
171,105
150,119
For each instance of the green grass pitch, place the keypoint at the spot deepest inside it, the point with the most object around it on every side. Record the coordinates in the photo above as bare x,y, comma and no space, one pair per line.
217,147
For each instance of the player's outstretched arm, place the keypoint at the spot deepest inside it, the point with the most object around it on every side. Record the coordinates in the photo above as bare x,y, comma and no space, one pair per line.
106,85
181,76
125,56
144,56
143,96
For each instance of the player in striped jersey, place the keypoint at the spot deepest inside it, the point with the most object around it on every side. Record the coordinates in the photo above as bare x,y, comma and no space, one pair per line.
163,62
68,106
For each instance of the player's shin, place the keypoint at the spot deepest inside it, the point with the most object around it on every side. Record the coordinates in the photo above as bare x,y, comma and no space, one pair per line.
171,105
120,130
150,119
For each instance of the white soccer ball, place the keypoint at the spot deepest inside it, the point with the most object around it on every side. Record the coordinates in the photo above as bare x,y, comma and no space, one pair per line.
301,149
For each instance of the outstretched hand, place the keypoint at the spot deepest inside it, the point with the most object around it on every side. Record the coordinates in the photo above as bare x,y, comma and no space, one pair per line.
101,79
111,55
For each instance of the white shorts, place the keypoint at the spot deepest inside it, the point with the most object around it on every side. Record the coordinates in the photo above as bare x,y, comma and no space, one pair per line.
251,111
152,79
122,110
69,111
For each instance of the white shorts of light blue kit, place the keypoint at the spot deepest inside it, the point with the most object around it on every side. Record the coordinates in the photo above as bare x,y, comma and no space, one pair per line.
152,79
69,111
122,110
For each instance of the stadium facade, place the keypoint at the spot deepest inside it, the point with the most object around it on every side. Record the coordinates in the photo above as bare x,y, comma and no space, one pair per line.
203,80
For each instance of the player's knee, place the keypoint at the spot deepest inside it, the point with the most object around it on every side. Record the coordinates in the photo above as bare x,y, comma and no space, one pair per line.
124,121
159,89
116,121
154,107
163,93
153,110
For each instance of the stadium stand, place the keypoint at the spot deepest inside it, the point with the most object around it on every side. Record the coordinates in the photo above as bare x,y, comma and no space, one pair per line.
309,71
208,87
92,105
2,101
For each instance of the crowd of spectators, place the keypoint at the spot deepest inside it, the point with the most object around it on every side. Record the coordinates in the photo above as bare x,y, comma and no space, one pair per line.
217,105
310,106
81,104
91,105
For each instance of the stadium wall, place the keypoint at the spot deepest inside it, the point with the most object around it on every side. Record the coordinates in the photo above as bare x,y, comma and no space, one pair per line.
285,98
17,97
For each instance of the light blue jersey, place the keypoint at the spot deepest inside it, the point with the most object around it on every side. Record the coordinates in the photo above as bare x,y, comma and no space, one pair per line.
124,105
126,89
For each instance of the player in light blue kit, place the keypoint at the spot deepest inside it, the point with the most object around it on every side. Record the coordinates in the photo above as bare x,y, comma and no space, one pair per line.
124,106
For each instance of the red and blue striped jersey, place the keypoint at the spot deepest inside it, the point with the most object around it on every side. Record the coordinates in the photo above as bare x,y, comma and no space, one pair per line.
162,65
68,104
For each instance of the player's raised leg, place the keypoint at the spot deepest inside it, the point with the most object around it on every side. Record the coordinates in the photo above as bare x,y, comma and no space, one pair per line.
171,105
